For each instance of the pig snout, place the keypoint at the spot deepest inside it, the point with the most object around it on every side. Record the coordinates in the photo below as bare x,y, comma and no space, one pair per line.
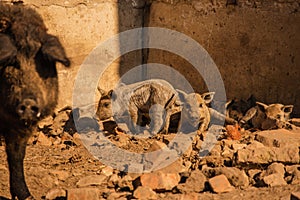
28,110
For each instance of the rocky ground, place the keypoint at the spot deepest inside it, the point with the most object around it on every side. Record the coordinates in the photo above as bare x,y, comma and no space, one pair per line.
241,165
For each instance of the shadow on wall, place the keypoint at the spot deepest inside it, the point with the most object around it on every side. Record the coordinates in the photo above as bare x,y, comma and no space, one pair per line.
254,56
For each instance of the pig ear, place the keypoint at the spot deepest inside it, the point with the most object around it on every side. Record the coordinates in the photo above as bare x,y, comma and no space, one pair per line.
251,101
182,95
228,103
287,109
110,93
101,91
53,50
208,97
262,106
7,50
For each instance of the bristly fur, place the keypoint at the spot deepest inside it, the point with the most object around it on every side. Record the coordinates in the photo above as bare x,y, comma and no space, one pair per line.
24,25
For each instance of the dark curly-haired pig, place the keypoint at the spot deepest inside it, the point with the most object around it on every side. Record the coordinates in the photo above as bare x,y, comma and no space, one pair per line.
28,82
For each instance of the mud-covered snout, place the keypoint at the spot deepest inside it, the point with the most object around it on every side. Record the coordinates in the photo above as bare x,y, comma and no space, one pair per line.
28,111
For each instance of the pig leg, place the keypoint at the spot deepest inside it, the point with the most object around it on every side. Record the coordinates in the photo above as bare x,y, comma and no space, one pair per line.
134,119
15,149
221,117
156,113
167,122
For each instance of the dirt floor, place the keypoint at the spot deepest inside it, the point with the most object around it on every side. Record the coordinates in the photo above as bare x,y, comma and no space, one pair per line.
56,160
42,163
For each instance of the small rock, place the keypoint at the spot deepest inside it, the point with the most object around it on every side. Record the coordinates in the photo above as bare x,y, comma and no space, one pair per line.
276,168
266,155
175,167
61,175
143,192
91,180
220,184
253,172
274,180
107,171
56,193
295,196
156,145
43,140
189,196
47,122
126,183
83,194
118,196
113,180
194,183
278,138
160,181
3,167
295,121
236,177
236,147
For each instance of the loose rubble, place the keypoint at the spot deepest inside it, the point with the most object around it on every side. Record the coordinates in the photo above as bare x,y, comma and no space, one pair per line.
258,159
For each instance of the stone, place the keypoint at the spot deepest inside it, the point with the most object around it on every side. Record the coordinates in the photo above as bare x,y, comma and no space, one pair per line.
266,155
159,159
156,145
293,174
253,174
194,183
60,174
189,196
160,181
83,194
278,138
175,167
92,180
295,178
236,147
45,123
295,196
276,168
125,183
43,140
113,180
57,127
56,193
143,192
107,171
295,121
3,167
220,184
236,177
274,180
118,196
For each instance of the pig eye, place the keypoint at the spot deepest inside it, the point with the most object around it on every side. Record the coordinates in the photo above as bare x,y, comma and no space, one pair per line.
201,105
106,105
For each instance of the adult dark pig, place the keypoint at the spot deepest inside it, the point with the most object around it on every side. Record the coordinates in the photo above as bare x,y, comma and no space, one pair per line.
28,82
146,102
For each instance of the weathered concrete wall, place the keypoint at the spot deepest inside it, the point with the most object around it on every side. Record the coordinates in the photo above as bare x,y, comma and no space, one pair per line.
255,44
81,25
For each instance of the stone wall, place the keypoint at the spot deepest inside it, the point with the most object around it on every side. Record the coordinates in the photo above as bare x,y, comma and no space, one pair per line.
255,44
